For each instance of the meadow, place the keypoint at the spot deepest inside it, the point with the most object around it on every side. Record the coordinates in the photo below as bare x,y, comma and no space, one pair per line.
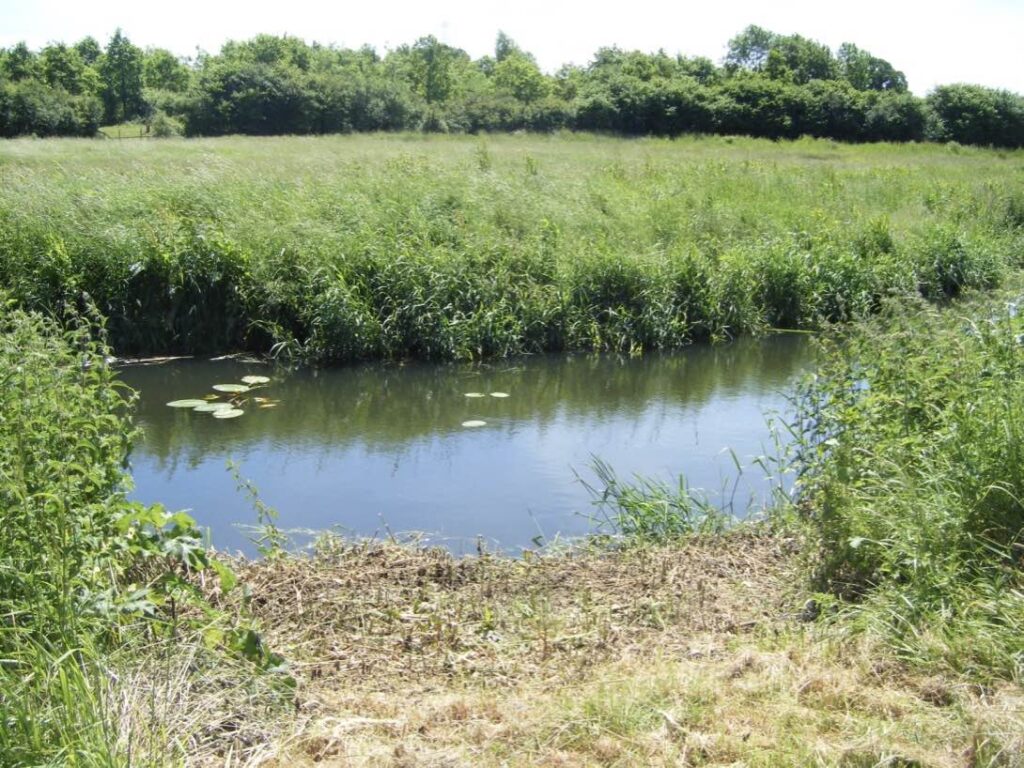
400,245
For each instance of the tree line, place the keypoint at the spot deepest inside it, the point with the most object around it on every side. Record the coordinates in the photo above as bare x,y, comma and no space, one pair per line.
768,85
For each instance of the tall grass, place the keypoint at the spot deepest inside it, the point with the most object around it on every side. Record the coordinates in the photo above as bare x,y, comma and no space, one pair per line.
344,248
913,483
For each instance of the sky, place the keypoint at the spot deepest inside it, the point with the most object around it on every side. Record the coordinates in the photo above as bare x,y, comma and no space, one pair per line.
936,42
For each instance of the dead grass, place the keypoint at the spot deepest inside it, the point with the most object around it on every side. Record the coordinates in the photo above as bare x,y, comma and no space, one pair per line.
683,655
379,616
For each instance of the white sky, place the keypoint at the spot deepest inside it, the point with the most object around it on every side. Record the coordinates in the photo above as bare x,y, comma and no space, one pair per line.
936,42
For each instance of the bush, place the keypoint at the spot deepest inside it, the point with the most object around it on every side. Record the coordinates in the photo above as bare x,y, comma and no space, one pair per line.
164,127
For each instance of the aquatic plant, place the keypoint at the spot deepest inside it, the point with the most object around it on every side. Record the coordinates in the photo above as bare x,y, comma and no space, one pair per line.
231,408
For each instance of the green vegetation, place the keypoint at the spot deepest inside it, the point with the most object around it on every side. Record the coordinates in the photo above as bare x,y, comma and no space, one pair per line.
123,643
910,492
769,85
348,248
913,484
103,621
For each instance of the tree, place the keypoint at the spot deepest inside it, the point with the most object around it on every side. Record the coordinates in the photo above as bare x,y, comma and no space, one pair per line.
62,67
519,75
868,73
121,70
973,114
89,50
750,48
504,47
19,63
428,65
164,71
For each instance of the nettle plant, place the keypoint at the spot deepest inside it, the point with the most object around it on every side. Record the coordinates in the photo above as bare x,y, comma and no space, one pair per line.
77,557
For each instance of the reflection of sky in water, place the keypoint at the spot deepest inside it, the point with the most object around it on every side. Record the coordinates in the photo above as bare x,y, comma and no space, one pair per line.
372,448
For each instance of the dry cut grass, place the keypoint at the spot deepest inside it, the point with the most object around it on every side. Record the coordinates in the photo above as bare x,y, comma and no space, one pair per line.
691,654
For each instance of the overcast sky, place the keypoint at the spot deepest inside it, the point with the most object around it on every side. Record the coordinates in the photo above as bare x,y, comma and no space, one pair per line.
941,41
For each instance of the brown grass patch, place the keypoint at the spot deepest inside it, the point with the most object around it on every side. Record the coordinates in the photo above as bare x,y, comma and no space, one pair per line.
683,655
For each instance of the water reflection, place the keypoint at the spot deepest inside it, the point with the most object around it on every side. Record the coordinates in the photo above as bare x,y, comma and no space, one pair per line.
364,446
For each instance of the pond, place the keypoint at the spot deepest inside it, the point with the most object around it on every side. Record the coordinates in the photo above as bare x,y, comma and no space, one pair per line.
380,449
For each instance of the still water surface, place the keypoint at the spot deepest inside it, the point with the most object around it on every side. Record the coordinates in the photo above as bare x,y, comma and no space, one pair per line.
372,448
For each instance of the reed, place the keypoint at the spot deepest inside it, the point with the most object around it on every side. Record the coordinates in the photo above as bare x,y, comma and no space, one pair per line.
394,246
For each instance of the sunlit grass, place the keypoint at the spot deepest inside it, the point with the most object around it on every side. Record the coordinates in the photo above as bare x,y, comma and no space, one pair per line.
371,246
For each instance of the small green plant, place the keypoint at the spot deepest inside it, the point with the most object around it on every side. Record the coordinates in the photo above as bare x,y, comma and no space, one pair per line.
652,512
270,540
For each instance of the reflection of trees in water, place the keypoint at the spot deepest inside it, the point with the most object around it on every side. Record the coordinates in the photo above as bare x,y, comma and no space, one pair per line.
385,407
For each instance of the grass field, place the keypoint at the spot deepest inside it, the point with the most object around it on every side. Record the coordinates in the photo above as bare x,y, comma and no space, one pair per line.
341,248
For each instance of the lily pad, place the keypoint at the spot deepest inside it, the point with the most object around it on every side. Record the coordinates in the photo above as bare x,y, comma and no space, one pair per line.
474,423
228,413
256,379
475,394
499,394
231,388
213,407
268,405
186,403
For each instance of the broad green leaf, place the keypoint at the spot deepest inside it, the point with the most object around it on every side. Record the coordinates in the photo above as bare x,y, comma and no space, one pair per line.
227,577
256,379
232,413
231,388
474,423
186,403
213,407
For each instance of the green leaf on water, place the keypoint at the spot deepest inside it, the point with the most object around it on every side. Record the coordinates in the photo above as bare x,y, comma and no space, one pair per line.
186,403
499,394
256,379
213,407
228,413
475,394
232,388
474,423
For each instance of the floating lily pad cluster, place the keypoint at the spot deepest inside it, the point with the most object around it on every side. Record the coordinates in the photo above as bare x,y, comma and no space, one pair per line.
475,395
235,396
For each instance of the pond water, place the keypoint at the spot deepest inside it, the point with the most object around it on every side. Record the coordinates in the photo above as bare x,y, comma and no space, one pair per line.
381,449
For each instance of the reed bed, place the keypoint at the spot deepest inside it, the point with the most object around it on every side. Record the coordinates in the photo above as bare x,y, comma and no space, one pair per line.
393,246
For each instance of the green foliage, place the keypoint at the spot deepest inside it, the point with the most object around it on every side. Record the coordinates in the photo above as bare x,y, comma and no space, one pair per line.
121,70
770,85
163,71
912,483
971,114
30,107
647,511
164,127
395,246
88,580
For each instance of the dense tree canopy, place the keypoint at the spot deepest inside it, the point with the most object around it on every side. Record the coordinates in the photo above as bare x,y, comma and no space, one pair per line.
771,85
